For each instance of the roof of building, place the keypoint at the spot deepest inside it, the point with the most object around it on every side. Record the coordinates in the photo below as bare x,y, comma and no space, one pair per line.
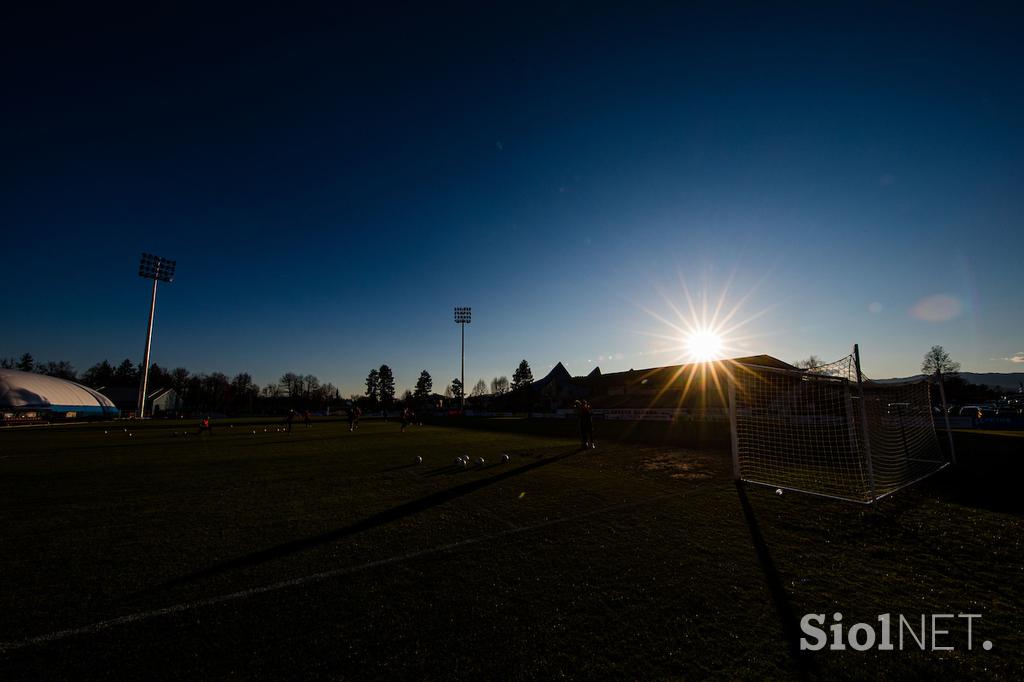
28,390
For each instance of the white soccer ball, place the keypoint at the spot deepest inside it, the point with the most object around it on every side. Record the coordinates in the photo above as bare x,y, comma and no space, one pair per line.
459,462
505,458
105,433
480,461
419,460
778,491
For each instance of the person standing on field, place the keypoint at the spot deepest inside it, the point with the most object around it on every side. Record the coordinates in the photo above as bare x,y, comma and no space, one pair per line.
205,425
586,416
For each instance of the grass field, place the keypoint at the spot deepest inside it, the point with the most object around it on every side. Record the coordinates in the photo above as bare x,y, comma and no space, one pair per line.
329,553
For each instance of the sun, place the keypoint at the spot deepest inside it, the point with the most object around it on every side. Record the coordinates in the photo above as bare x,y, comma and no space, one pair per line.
703,345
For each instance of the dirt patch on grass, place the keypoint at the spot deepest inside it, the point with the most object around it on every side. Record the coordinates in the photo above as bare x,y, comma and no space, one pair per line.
680,464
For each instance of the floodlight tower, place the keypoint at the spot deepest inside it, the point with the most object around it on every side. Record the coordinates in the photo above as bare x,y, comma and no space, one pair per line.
463,316
159,270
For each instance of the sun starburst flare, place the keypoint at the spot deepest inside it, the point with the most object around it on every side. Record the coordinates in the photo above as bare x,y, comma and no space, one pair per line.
700,340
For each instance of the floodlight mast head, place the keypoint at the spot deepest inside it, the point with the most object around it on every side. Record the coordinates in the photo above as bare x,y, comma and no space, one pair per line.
159,270
156,268
463,315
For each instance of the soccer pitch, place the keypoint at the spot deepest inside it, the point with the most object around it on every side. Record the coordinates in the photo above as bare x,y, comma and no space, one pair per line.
329,553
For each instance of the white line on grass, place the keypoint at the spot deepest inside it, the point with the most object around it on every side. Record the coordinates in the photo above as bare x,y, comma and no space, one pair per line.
6,647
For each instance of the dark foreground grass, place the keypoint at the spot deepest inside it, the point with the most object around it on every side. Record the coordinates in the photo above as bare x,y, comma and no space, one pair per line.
328,553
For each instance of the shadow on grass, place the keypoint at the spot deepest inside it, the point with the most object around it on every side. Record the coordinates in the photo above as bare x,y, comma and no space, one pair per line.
780,598
400,467
378,519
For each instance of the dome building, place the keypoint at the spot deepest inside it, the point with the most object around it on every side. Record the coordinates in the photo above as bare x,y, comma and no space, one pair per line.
26,396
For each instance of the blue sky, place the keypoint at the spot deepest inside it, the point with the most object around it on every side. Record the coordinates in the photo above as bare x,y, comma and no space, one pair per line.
332,183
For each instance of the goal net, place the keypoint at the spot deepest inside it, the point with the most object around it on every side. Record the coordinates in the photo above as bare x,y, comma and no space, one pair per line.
819,431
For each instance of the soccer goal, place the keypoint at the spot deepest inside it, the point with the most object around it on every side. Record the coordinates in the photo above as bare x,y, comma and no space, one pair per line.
830,431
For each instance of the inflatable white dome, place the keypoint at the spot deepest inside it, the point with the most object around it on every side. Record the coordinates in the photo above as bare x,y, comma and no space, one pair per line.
27,391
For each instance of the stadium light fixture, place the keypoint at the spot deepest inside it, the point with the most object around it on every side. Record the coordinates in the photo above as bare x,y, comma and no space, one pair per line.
463,316
159,270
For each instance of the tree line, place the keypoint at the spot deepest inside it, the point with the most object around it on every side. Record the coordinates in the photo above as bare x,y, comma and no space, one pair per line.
216,392
380,387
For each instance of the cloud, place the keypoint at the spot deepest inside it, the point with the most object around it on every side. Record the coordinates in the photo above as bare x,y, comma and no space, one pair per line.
1017,357
875,307
937,308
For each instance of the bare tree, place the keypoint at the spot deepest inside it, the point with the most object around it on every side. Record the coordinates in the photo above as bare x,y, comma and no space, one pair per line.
810,363
938,359
480,388
61,370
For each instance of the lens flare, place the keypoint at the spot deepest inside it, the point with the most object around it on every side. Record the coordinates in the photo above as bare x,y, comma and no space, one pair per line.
703,345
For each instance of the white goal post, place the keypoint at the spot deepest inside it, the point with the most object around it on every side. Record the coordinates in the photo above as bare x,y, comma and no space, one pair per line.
829,431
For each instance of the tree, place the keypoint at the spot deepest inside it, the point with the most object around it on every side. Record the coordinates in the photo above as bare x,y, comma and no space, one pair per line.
522,377
291,385
499,385
126,374
7,363
424,385
373,386
455,389
179,381
99,375
937,359
810,363
243,392
216,387
448,392
158,377
27,363
311,387
407,396
61,370
480,388
387,385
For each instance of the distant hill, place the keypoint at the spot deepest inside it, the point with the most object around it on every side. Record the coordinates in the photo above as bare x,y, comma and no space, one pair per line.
1008,381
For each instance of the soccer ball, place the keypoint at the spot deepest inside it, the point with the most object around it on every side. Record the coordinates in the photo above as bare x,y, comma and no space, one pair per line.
778,491
505,458
480,461
459,462
419,460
